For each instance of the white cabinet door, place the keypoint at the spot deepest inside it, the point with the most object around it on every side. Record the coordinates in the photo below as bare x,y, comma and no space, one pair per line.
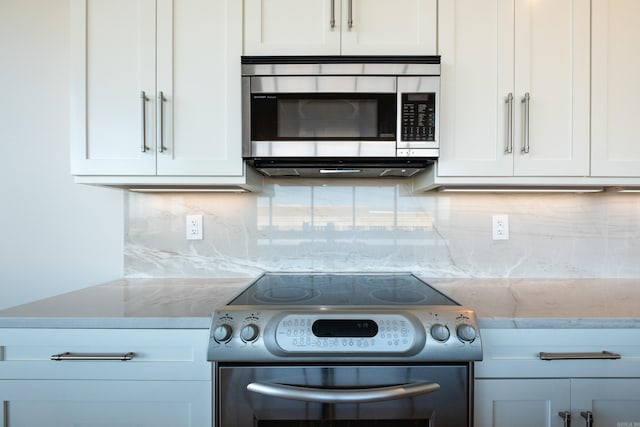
520,402
340,27
497,50
292,27
106,403
612,402
113,63
476,46
552,52
199,47
615,150
389,27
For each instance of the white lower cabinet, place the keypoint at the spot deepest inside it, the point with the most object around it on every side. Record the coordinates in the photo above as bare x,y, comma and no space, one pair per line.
166,382
514,387
105,403
547,402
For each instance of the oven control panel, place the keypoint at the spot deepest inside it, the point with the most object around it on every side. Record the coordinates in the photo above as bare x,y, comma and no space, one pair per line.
388,333
447,334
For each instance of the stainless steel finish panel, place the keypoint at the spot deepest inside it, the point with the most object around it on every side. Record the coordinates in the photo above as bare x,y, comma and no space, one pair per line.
339,171
246,117
266,348
310,149
423,84
425,153
380,69
448,405
323,84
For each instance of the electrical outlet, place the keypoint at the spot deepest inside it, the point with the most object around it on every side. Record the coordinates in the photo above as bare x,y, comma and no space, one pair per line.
500,227
194,227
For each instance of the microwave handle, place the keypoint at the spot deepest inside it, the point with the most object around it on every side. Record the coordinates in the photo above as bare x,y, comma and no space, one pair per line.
326,395
350,15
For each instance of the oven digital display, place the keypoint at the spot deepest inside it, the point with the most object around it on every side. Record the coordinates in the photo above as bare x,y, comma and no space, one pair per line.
344,328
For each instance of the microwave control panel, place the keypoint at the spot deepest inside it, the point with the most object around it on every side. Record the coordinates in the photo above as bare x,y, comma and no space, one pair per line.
418,116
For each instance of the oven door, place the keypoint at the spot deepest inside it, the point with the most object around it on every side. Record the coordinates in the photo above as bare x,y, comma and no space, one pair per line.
344,395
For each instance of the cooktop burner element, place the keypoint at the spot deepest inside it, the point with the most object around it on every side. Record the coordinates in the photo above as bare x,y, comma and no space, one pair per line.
343,317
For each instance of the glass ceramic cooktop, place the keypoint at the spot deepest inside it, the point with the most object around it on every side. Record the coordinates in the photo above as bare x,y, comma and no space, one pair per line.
340,289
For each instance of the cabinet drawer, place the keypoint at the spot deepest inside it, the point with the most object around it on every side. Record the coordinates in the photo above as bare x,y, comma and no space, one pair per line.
515,353
155,354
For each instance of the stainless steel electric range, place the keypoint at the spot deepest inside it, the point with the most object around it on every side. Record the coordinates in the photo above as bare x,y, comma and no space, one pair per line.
343,349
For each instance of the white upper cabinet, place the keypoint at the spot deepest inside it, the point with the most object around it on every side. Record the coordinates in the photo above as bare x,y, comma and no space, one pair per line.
199,46
340,27
112,126
515,85
615,88
156,88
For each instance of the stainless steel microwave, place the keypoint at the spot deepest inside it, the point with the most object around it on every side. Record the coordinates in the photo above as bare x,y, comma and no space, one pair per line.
340,115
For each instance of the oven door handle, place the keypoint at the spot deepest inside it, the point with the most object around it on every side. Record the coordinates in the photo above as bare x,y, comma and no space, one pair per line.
362,395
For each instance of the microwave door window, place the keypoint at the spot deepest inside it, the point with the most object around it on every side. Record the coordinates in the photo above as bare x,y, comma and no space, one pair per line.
327,119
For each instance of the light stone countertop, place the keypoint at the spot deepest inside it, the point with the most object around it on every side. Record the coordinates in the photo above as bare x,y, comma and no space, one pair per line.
548,303
189,303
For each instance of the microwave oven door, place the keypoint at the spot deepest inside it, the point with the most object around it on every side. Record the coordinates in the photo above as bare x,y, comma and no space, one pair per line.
321,117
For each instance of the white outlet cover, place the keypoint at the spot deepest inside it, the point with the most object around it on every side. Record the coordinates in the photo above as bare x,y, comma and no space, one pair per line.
500,227
194,227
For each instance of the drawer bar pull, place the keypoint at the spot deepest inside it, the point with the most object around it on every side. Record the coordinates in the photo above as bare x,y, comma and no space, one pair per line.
94,356
579,356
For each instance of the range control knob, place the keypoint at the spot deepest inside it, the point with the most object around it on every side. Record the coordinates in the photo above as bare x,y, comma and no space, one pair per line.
466,333
249,332
222,333
440,332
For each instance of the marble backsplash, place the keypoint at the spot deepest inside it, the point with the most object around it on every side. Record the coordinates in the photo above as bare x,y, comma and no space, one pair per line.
362,225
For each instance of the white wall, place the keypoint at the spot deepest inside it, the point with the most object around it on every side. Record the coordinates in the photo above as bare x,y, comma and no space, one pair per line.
55,236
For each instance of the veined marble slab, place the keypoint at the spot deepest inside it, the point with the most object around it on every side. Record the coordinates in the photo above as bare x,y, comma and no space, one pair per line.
380,225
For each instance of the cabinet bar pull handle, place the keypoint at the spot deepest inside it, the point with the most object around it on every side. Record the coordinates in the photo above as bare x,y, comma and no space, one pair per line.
143,102
93,356
566,416
350,16
332,22
161,146
5,411
588,416
579,356
526,100
509,102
